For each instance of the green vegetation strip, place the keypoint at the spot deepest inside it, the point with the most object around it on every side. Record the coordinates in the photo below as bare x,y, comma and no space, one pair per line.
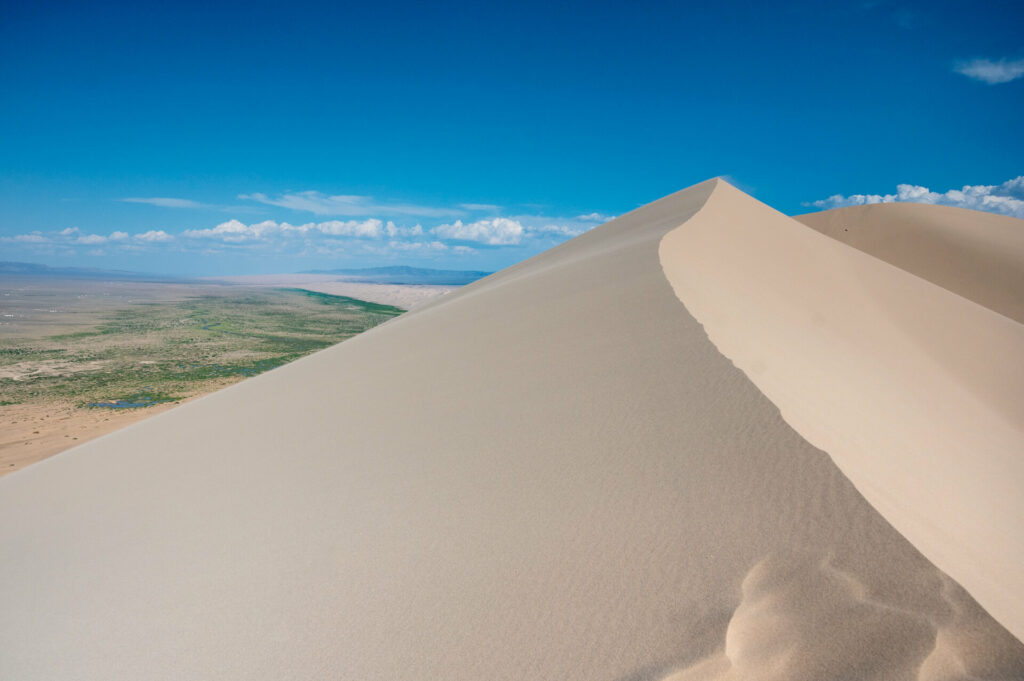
149,353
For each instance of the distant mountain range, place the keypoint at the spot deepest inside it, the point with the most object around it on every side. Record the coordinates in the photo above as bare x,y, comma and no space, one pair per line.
36,270
371,275
406,275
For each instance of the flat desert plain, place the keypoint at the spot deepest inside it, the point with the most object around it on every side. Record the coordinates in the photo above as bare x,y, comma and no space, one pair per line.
702,441
81,358
405,296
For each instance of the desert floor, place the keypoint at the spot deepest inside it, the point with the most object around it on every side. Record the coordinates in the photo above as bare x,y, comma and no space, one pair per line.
66,346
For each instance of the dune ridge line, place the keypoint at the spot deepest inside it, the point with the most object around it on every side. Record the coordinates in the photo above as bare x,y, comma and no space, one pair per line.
917,394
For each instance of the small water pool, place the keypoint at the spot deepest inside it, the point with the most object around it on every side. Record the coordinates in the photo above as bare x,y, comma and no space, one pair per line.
132,402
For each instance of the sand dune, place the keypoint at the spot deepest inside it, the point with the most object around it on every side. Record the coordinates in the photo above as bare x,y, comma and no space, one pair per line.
551,473
916,394
977,255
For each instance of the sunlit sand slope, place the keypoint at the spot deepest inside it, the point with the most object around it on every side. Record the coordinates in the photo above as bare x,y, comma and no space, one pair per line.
916,393
551,473
977,255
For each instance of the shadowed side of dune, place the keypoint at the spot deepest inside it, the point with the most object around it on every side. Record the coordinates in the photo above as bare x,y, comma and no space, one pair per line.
551,473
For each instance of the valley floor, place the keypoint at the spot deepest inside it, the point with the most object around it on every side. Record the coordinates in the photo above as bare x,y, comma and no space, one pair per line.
79,359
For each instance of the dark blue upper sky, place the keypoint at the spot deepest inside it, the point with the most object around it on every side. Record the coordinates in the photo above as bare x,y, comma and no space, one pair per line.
533,114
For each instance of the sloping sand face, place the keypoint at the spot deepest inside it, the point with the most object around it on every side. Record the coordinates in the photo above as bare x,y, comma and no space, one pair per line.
551,473
917,394
979,256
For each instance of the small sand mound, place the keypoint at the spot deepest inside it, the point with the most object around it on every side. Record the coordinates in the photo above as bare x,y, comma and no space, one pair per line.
802,618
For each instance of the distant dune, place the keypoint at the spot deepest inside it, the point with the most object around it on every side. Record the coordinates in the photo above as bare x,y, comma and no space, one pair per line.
702,441
977,255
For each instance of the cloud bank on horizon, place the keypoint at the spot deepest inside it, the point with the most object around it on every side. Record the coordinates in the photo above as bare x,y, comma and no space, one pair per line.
475,227
413,230
1006,198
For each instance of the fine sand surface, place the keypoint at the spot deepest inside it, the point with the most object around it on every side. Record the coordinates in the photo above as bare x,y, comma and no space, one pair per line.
405,296
918,395
551,473
978,255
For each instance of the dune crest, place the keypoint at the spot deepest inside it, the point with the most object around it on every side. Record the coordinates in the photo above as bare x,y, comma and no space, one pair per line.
917,394
551,473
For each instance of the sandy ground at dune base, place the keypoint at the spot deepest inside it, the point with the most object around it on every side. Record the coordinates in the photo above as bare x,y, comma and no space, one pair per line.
37,309
33,432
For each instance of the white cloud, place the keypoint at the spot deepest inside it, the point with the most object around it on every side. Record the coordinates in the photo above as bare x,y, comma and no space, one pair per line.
357,236
394,230
367,229
154,236
566,229
991,72
165,202
72,236
488,207
347,205
555,228
232,230
514,230
493,232
236,231
1006,198
420,246
91,239
32,238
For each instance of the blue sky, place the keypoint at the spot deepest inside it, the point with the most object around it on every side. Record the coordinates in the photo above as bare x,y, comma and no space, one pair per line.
225,138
